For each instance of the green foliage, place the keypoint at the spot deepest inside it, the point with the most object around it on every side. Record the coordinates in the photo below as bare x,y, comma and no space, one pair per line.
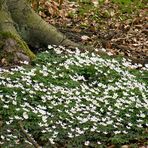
73,100
128,6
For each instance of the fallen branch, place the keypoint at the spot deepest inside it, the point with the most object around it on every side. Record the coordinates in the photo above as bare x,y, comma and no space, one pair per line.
30,139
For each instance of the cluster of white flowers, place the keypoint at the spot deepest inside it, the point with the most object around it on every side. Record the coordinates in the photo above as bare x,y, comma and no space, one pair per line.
59,97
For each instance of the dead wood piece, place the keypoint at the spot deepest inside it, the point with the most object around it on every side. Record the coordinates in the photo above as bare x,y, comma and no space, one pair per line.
30,139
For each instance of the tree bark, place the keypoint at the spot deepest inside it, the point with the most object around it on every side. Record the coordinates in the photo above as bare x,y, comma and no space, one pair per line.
20,26
12,46
33,28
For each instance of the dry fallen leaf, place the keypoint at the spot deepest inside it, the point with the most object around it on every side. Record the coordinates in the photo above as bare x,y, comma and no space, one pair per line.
3,61
85,37
95,2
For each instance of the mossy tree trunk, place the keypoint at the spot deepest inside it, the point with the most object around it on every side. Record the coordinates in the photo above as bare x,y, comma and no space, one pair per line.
20,26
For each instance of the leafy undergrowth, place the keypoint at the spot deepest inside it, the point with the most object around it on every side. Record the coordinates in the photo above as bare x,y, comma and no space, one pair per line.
73,100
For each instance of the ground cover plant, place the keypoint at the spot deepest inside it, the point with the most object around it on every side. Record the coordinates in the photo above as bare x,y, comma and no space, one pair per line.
73,100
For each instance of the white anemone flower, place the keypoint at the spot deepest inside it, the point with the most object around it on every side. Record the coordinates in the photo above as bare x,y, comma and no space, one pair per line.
25,115
86,143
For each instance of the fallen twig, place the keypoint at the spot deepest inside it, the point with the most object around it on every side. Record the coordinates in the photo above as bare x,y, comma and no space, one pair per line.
30,139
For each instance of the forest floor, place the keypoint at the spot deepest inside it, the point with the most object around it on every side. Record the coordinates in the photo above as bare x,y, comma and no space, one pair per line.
81,100
119,28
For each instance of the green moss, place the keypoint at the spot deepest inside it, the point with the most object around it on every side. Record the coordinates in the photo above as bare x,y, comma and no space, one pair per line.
22,45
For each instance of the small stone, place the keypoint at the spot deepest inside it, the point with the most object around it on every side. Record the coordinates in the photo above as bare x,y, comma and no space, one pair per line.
22,57
10,42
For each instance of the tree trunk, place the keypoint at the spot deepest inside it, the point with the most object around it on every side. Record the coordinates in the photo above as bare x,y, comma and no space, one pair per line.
12,46
20,26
